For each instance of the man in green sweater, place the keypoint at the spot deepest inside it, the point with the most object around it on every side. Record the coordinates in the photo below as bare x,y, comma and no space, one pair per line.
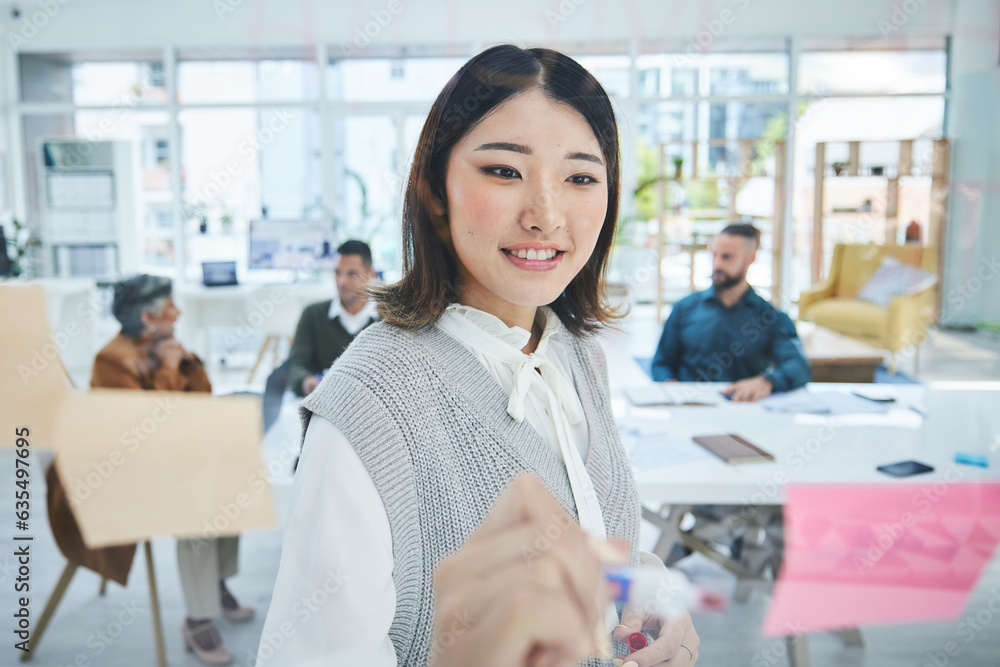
328,327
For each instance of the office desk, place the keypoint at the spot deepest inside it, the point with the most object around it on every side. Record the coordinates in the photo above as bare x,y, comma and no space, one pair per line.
72,307
250,306
817,449
927,423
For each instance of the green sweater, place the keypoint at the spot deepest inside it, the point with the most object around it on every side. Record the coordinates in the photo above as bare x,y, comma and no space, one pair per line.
318,342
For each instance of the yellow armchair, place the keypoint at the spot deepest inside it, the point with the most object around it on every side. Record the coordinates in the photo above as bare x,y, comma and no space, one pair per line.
833,303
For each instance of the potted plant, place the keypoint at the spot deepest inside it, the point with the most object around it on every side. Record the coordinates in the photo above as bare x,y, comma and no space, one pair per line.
197,212
678,163
226,219
839,167
24,243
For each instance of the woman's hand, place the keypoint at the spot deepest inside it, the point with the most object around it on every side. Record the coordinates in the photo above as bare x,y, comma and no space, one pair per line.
676,640
525,590
169,352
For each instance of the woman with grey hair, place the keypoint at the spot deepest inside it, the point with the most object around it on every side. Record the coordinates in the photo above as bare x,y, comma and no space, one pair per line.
145,355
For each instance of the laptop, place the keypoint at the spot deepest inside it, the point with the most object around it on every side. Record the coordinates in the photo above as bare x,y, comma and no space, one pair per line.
218,274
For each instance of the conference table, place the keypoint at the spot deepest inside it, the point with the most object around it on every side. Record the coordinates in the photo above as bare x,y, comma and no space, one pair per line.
928,422
677,478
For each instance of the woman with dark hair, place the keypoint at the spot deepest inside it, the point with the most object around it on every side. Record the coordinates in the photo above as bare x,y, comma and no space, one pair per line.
145,355
483,367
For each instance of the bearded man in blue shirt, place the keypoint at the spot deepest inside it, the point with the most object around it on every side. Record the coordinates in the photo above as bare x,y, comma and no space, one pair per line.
728,333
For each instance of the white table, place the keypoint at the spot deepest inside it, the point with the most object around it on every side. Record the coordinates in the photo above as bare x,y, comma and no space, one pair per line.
816,449
926,423
72,307
271,309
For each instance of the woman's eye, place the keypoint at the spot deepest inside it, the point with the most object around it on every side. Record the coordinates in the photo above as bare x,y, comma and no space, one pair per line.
502,172
582,179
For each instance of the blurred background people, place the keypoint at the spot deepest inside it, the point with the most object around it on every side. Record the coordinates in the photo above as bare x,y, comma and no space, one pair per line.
326,328
145,355
728,333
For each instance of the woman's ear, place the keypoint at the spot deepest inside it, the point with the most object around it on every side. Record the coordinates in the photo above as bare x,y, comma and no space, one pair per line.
438,207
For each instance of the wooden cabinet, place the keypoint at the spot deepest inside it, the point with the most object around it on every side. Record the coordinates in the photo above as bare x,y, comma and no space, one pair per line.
921,177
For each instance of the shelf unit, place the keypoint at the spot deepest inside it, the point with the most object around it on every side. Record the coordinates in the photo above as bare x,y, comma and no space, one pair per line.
692,172
936,167
86,204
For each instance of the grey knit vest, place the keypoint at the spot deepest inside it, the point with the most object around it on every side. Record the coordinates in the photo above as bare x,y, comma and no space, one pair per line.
431,426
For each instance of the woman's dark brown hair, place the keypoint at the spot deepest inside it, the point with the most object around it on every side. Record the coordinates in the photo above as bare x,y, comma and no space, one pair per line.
430,269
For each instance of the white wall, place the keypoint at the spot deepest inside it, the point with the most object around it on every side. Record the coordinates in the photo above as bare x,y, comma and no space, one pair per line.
152,24
974,227
971,289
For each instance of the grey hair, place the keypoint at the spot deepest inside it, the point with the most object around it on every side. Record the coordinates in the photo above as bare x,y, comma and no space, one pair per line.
138,294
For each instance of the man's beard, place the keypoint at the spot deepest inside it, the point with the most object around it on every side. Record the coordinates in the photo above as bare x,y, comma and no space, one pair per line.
723,281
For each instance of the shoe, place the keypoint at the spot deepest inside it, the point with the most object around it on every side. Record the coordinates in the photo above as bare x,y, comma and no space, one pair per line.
203,639
231,609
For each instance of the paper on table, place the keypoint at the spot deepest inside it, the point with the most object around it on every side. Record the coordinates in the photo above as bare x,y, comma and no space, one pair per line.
881,553
897,418
673,393
650,446
32,379
181,464
823,402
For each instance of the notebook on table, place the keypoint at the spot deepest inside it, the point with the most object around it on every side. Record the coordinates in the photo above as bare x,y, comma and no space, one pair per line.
732,448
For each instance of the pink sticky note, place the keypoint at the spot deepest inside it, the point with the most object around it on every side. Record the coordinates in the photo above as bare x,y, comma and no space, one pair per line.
881,553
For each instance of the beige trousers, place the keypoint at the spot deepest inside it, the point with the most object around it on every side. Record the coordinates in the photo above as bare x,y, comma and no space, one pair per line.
203,563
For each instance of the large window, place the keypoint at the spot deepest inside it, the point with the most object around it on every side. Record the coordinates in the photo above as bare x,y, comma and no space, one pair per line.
118,105
877,93
708,123
328,135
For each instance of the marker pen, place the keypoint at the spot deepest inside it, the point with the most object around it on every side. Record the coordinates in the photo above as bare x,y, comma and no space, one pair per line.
658,591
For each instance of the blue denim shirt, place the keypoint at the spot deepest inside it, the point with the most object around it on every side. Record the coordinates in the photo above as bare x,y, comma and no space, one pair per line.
704,341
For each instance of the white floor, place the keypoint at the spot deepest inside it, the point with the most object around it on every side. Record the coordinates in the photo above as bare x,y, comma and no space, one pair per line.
91,630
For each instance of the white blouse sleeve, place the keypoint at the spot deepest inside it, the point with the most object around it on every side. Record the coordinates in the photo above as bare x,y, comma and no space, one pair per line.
334,598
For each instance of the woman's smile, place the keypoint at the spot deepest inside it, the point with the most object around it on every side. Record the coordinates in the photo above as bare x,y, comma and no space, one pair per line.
527,197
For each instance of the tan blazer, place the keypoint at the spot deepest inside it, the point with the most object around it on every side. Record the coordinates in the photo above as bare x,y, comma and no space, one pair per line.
124,363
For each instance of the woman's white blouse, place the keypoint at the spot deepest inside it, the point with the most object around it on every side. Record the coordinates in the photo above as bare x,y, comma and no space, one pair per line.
334,598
